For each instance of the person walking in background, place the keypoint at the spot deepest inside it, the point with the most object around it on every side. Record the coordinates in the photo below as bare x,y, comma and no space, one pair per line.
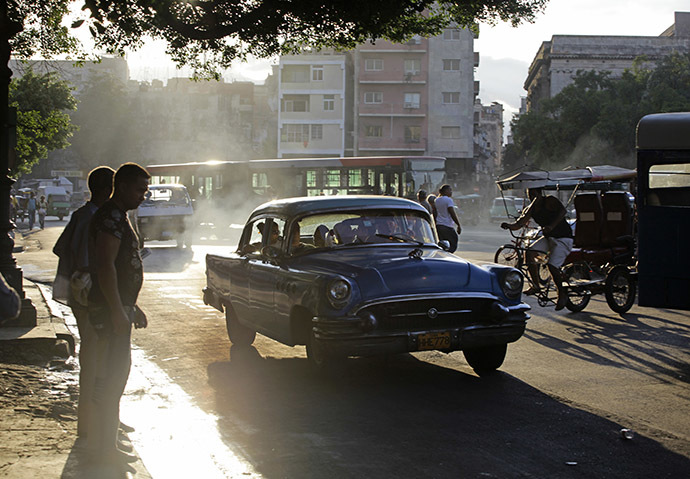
31,209
42,210
118,276
422,196
73,272
447,222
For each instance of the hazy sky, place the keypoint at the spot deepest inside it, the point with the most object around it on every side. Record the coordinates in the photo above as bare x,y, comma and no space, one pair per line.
505,52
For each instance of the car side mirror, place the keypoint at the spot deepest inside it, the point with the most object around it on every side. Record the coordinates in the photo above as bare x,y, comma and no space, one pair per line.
445,245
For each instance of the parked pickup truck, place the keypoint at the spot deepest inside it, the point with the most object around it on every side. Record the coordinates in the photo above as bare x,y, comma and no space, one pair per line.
362,276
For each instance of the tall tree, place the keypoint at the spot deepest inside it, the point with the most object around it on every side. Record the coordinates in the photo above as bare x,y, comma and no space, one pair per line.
593,120
43,124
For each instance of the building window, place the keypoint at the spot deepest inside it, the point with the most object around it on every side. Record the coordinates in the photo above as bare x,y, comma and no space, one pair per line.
373,131
373,64
311,178
296,103
292,133
317,132
450,132
412,100
451,64
317,72
413,134
413,67
451,34
373,97
295,74
328,102
451,97
415,40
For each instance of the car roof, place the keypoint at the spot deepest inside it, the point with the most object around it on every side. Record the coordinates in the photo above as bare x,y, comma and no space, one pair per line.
311,204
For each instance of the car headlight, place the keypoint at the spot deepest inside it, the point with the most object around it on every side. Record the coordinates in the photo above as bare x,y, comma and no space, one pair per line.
512,284
338,292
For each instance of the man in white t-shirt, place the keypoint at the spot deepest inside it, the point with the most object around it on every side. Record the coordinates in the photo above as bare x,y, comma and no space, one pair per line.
447,222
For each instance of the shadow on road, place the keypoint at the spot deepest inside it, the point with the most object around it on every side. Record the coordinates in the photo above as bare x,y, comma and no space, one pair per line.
640,342
403,417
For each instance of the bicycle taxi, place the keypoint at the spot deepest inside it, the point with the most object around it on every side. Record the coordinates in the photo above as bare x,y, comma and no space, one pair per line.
603,259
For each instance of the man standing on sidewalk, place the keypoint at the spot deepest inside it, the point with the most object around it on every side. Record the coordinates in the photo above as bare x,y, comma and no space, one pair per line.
447,222
117,280
72,249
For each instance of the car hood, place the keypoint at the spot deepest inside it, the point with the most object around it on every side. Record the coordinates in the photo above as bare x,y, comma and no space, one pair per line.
381,271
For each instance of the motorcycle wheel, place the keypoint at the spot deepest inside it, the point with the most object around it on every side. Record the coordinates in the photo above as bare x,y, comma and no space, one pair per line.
620,290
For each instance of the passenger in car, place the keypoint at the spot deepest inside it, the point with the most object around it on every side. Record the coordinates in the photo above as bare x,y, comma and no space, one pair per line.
296,245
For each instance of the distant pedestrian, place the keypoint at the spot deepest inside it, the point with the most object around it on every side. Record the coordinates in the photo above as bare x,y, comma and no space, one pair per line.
118,276
422,196
74,275
31,209
42,210
447,222
14,207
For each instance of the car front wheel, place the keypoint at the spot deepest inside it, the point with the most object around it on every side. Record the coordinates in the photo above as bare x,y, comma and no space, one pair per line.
238,334
320,357
486,359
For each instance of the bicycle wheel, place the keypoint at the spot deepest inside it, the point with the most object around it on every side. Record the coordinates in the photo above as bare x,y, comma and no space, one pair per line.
508,255
620,290
577,298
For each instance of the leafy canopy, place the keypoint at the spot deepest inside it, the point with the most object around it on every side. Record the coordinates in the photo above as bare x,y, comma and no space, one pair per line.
210,34
42,121
593,120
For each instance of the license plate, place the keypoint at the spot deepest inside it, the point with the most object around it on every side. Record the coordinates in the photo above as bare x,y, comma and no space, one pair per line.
433,341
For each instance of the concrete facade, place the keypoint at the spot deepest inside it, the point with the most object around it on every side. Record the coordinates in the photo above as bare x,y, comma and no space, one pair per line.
558,60
417,98
312,105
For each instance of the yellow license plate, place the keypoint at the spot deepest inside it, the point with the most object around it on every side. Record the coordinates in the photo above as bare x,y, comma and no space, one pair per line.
433,341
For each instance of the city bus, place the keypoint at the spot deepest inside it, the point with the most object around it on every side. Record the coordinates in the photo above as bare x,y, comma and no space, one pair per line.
227,191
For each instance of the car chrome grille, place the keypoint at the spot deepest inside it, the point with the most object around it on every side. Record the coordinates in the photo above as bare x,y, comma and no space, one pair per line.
430,314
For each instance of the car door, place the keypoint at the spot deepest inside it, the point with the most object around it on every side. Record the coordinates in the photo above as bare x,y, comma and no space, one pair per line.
263,275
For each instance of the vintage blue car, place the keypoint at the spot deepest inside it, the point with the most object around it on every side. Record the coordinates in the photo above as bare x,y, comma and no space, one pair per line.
362,276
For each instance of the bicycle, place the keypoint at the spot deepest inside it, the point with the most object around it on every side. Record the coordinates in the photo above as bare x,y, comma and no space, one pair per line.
582,278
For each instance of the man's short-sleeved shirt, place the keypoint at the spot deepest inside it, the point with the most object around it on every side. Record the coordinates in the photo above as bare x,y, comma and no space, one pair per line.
112,220
442,205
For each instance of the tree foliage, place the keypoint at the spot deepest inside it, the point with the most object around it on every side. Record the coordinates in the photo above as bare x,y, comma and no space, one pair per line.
593,120
43,124
210,34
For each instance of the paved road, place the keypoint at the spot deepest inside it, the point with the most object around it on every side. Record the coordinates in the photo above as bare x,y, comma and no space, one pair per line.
555,409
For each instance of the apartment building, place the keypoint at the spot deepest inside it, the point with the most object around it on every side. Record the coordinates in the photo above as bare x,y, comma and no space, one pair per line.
313,105
416,98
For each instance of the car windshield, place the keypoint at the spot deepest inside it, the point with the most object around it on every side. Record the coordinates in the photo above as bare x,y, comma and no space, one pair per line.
166,197
364,227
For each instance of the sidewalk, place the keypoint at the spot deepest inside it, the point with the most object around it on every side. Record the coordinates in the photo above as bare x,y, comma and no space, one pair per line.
39,378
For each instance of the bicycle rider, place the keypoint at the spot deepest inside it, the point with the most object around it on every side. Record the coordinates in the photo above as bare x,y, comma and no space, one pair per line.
549,213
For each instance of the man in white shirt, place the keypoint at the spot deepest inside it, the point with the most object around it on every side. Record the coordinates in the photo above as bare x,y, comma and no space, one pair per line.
447,222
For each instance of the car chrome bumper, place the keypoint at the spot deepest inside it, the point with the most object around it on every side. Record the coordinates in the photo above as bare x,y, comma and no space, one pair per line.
360,336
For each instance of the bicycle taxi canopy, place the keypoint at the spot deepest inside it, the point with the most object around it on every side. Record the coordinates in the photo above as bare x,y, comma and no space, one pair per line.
602,177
